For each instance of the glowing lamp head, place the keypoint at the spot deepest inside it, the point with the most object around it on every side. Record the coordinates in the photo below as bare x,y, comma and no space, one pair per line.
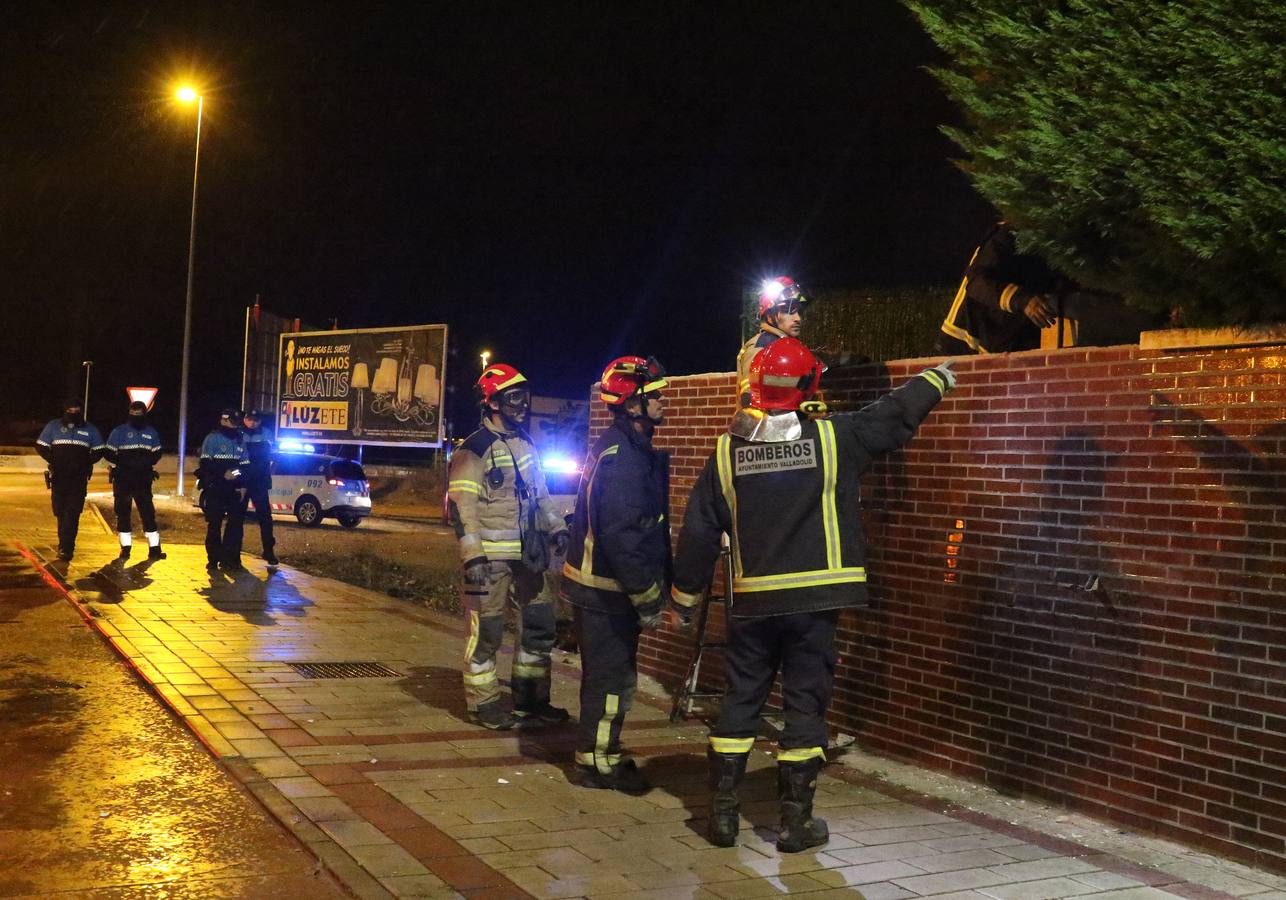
187,94
772,289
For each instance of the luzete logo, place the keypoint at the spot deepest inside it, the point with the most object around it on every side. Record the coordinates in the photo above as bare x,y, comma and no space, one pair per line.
314,416
755,459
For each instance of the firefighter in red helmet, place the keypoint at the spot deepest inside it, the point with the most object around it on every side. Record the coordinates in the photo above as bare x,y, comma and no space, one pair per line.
616,576
783,484
781,313
504,521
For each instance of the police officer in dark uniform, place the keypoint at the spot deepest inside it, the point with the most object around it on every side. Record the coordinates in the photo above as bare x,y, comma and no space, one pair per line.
616,575
70,446
220,475
133,449
258,478
784,486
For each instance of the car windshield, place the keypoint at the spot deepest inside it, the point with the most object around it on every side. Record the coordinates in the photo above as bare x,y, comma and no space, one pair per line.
347,470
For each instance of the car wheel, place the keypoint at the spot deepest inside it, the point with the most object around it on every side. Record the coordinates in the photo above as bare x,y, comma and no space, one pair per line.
308,512
350,521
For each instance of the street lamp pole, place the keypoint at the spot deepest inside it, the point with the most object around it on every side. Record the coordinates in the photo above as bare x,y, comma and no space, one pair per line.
87,365
187,309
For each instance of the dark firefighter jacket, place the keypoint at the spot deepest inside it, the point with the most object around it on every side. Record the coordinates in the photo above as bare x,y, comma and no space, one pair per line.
259,450
221,454
791,508
70,450
133,451
749,350
987,312
618,559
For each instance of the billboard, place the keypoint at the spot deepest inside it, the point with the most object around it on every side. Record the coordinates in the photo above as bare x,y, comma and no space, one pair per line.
373,386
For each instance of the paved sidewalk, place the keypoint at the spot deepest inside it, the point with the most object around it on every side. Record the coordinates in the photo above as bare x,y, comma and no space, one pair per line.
386,781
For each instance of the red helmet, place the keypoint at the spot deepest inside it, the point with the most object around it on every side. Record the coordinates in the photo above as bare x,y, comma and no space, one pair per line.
497,378
629,376
784,375
780,291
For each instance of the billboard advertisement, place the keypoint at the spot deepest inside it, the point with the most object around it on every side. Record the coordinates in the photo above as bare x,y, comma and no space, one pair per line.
373,386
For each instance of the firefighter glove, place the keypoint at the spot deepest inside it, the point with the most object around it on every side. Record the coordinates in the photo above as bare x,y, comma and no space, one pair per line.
476,570
560,540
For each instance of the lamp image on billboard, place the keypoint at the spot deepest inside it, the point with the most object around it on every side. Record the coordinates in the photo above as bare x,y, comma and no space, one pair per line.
374,386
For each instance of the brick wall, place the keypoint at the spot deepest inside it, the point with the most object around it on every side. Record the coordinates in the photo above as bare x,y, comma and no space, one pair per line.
1079,578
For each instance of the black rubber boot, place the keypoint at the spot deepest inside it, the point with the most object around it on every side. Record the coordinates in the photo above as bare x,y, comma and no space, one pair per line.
624,777
123,556
541,714
726,772
155,552
494,715
796,784
269,557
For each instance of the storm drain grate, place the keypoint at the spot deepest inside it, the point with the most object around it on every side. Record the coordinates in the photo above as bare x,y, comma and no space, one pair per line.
344,670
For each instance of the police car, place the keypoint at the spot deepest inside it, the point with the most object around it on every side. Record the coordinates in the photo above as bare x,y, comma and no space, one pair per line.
313,487
316,487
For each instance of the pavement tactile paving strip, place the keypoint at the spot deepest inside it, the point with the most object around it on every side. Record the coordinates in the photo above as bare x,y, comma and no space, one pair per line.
392,788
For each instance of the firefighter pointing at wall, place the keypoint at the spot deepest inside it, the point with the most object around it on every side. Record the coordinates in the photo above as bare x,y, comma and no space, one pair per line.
781,314
504,520
784,486
617,571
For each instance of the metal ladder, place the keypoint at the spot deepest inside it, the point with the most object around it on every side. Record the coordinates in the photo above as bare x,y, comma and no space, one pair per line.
688,691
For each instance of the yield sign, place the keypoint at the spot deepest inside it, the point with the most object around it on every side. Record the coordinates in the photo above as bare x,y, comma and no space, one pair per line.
141,394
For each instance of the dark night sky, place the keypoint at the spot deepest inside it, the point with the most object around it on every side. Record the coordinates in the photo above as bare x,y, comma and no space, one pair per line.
559,183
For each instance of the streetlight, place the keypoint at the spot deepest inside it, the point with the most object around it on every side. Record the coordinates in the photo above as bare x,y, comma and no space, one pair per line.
485,356
187,95
87,365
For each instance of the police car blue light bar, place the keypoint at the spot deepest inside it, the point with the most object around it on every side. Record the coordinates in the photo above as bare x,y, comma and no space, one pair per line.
557,463
293,446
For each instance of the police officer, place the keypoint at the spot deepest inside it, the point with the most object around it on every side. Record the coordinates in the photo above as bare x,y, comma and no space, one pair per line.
1004,300
781,314
70,446
503,517
220,475
133,449
784,486
616,575
257,475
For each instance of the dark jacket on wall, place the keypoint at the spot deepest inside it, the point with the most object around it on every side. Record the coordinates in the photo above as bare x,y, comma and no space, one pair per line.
987,312
791,508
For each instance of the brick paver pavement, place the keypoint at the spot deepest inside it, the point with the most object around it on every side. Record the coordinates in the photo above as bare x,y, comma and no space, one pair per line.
386,781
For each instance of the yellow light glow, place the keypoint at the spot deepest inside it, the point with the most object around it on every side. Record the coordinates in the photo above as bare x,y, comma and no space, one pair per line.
186,93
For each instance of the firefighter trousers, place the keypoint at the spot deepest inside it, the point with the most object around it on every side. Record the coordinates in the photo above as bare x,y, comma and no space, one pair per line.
263,515
68,500
609,646
126,495
508,581
223,525
802,647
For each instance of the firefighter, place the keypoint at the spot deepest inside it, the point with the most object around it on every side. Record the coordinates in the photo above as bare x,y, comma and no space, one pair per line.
220,475
781,314
258,478
616,575
504,519
70,446
1004,300
784,486
134,449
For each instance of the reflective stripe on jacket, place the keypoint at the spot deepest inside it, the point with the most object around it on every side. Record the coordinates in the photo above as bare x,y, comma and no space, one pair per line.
792,508
482,493
619,555
133,451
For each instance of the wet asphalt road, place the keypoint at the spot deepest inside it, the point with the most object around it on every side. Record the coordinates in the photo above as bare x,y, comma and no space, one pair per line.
102,792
